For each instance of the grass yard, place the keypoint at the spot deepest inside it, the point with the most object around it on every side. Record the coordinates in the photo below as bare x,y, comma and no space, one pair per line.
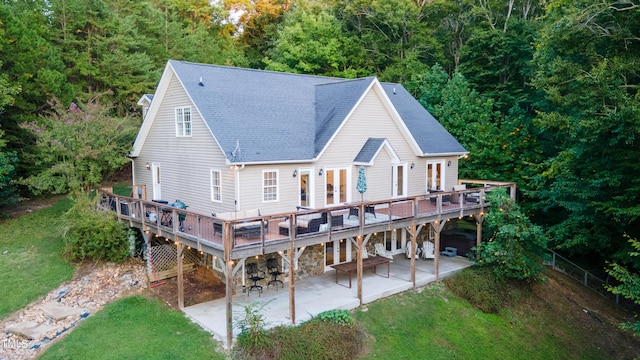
546,324
135,328
31,261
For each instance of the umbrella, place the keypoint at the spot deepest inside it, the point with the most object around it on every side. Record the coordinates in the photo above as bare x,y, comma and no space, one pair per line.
362,183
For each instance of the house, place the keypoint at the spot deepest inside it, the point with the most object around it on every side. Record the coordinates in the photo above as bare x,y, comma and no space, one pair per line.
268,165
223,139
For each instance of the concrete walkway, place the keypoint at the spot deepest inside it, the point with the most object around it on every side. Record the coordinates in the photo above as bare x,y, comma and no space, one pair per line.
321,293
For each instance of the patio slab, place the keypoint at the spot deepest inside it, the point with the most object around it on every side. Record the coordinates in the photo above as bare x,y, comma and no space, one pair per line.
320,293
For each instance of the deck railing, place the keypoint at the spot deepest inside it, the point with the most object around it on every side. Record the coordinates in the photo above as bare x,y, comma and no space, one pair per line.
202,229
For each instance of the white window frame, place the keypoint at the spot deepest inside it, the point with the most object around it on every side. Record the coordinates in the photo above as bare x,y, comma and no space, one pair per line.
216,189
183,123
268,189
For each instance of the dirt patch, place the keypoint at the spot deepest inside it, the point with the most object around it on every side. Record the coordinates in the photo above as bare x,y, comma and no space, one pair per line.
199,286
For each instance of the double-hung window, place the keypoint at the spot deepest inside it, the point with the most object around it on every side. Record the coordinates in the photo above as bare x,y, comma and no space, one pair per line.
183,121
269,185
216,186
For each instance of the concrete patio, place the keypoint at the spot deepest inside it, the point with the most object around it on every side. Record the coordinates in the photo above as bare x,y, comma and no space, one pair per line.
320,293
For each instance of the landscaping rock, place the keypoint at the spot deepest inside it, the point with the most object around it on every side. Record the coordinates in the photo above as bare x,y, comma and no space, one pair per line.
57,311
33,328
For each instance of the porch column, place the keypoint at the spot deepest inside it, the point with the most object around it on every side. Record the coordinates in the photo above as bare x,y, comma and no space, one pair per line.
359,251
180,249
292,296
229,282
438,225
414,248
479,221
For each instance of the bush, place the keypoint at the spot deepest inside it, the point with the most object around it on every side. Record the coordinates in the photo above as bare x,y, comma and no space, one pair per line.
94,234
318,338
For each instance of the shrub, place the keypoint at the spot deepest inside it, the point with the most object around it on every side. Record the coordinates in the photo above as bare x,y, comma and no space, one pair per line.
516,246
339,317
252,325
94,234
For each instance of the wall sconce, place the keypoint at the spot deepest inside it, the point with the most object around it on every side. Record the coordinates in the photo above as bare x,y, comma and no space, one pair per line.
449,163
320,172
148,166
295,173
412,165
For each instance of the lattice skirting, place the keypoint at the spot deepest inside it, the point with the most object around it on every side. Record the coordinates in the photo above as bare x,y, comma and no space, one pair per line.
162,261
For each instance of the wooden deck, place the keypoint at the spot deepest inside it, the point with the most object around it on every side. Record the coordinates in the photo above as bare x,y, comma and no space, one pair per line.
208,234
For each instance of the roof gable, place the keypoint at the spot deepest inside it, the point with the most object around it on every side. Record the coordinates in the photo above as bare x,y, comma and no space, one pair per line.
261,116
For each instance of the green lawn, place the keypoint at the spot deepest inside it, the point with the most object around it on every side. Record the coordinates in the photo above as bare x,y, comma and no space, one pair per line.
436,324
135,328
31,261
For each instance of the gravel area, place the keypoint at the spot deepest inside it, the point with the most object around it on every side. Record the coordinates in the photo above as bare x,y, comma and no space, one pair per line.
80,298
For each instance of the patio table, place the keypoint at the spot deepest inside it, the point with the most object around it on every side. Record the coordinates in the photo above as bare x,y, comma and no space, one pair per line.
371,262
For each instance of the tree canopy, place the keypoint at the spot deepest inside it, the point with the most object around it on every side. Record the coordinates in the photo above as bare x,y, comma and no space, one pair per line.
541,92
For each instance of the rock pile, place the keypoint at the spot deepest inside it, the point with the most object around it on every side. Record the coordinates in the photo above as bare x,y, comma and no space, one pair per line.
29,330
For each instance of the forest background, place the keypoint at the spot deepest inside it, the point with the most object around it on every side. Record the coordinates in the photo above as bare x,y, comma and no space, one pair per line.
543,93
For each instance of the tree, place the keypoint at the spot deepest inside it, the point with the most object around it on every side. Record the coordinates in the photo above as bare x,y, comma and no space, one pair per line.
78,146
310,41
587,63
629,286
515,247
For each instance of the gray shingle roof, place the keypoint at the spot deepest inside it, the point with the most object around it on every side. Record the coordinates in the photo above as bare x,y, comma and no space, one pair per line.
369,150
275,117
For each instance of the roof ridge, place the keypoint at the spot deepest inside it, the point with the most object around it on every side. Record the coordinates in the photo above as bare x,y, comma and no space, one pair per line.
257,70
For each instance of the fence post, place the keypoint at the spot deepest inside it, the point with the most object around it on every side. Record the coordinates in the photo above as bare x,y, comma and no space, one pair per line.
553,260
586,275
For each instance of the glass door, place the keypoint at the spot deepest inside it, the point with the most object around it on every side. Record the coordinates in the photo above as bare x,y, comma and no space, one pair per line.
399,181
157,193
337,186
336,252
435,175
306,189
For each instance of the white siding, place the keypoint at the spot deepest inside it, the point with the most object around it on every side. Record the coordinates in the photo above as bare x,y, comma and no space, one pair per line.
372,120
185,162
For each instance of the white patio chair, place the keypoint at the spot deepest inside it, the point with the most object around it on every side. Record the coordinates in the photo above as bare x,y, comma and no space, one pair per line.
416,255
381,251
428,250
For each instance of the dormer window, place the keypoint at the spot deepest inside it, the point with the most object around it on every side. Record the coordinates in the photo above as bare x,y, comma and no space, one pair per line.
183,121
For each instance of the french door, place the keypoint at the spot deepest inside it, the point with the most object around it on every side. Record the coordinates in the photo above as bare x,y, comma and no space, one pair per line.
337,186
435,175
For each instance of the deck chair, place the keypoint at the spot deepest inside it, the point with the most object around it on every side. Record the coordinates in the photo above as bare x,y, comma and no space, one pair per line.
428,250
274,270
381,251
416,255
255,274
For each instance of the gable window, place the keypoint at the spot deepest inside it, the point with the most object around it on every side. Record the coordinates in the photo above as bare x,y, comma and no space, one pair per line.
270,185
216,187
183,121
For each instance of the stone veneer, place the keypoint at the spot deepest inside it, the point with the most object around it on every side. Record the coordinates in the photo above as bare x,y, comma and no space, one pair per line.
310,262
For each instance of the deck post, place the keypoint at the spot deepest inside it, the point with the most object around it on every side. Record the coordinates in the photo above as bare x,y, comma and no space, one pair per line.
229,281
414,248
292,296
479,221
180,249
359,250
438,225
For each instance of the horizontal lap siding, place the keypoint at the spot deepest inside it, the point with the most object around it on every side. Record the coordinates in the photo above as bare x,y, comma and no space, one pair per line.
372,120
185,162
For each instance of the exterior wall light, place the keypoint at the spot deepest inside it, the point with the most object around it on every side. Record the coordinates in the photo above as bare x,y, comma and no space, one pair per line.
295,173
148,166
320,172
